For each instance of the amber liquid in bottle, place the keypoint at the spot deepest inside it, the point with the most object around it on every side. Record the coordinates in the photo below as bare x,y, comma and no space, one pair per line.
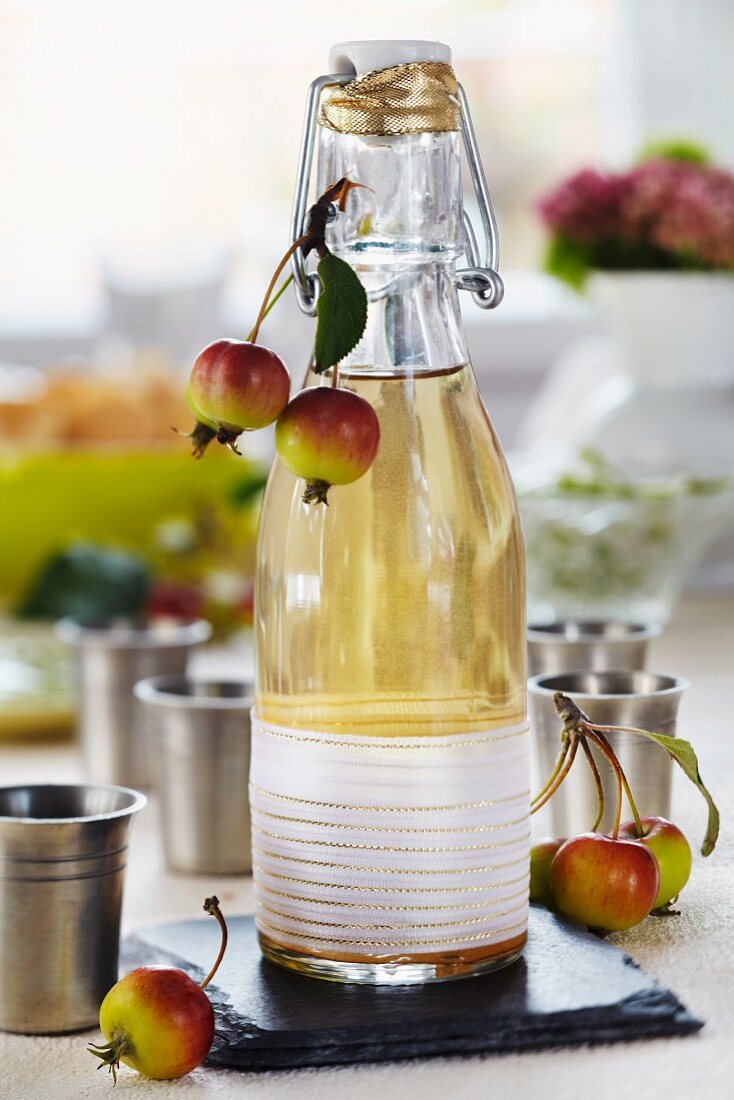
398,611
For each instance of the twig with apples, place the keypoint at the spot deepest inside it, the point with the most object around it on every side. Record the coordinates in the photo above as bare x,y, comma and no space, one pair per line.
325,435
611,883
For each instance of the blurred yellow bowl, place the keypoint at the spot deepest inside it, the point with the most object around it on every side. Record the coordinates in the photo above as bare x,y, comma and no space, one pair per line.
116,494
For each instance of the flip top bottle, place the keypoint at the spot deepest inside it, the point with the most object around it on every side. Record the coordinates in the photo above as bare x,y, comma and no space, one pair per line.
390,776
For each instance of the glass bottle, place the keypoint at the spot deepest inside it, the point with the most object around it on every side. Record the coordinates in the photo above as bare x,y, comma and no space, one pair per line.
390,776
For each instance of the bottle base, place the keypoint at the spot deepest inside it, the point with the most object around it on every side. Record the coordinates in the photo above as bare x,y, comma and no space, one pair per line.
410,970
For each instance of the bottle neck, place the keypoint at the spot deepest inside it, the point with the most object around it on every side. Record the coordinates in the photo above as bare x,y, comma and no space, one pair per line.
402,232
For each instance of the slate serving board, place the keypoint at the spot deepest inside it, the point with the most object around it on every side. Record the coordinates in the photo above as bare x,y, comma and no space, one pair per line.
569,987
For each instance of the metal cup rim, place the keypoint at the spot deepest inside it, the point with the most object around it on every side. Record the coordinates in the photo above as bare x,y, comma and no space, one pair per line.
138,802
127,636
676,686
631,632
160,691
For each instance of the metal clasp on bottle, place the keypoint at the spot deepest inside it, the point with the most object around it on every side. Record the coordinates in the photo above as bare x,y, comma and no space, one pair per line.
481,277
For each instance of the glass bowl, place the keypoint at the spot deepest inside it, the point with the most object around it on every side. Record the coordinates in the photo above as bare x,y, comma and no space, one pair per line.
599,546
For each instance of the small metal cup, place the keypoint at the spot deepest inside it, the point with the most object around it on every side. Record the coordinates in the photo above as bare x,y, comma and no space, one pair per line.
200,737
635,698
587,644
62,863
111,658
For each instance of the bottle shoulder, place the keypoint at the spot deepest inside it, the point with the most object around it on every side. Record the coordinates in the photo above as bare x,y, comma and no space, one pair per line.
439,467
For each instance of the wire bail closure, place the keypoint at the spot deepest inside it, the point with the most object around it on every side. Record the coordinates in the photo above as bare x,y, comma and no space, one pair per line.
481,278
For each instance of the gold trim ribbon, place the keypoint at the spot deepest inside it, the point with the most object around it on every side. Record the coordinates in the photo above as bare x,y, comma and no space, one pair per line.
416,98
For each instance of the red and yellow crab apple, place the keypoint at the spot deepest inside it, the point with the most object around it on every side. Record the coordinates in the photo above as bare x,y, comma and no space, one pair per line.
604,883
671,850
157,1019
327,436
237,386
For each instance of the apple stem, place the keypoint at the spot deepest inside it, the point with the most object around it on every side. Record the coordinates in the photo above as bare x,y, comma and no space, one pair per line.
335,376
609,753
601,731
597,779
570,757
281,290
109,1054
614,729
264,307
211,905
565,746
576,722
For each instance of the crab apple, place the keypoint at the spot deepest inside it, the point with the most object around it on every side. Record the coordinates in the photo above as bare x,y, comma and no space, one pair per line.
604,883
329,436
670,848
174,599
158,1021
541,857
238,386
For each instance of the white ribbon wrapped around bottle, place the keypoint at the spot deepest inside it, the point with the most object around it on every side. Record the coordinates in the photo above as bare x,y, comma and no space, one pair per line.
376,846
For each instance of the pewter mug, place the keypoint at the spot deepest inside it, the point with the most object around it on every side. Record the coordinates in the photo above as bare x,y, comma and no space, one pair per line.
111,658
62,860
643,700
590,645
200,742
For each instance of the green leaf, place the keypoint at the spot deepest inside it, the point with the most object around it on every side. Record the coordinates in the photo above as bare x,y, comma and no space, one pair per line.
87,584
341,311
680,149
568,260
244,492
683,754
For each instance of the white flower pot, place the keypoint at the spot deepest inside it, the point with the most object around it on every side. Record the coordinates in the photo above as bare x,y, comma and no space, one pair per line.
673,328
674,341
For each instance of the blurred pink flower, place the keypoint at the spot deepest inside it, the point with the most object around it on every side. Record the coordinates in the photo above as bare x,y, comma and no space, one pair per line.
586,206
668,206
652,187
699,219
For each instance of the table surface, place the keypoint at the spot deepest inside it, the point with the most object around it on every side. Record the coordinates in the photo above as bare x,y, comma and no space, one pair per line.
692,953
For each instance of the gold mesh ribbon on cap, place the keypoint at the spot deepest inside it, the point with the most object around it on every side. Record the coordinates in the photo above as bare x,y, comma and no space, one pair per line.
416,98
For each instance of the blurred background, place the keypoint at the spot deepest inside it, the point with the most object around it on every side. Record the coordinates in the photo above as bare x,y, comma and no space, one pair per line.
149,155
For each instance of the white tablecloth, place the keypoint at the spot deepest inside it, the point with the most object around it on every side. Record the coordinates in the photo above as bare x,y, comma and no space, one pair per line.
692,954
